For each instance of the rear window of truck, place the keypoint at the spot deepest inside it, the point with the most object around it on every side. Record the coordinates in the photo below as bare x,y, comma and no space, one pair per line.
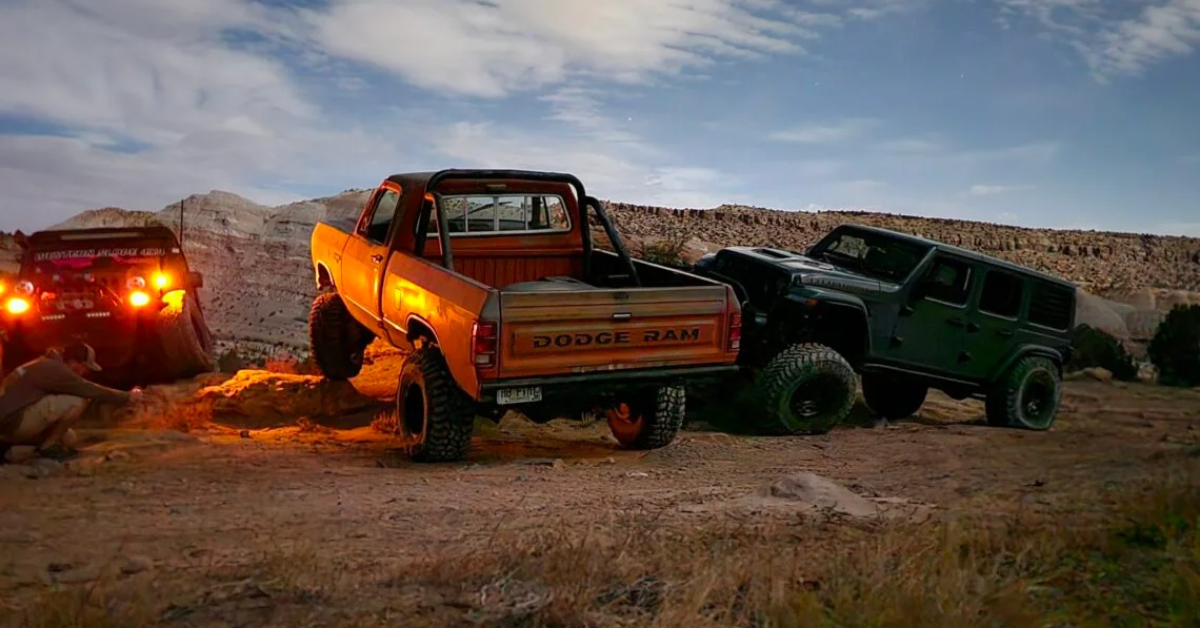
484,214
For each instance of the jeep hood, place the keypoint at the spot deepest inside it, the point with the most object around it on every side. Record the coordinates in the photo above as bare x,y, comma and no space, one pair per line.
818,274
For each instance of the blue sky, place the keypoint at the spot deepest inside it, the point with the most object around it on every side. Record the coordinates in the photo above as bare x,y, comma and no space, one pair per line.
1056,113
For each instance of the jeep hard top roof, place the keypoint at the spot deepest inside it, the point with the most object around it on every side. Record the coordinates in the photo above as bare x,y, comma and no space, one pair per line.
777,256
430,179
67,237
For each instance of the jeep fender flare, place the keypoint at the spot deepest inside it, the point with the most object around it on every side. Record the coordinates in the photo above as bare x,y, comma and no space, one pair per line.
829,298
1022,352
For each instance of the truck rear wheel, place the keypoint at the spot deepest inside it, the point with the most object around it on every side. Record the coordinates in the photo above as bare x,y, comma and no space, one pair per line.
892,398
336,340
436,419
648,420
1027,396
806,389
187,344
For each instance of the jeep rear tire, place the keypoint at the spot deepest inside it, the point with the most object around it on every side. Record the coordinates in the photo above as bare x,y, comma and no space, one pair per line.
336,340
892,398
187,345
806,389
649,419
1027,396
435,417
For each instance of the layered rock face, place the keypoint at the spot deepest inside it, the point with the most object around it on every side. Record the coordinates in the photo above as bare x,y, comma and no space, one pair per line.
1099,262
259,284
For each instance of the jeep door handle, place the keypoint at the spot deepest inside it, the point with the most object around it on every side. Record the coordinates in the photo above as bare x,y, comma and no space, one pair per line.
956,322
378,259
1007,333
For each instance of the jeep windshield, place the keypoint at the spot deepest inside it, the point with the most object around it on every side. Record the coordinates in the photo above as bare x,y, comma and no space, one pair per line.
875,255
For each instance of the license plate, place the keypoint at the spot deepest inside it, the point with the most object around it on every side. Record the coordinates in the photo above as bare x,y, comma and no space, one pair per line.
509,396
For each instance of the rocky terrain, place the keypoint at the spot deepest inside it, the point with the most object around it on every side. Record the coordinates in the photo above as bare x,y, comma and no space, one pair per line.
259,286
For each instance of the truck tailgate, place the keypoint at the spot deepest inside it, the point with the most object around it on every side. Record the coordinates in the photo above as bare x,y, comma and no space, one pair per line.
563,332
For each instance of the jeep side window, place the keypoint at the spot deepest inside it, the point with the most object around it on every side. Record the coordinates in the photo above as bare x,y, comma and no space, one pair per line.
381,219
947,281
1002,294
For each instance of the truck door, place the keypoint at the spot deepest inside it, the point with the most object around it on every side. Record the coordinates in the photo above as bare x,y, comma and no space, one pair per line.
929,331
366,253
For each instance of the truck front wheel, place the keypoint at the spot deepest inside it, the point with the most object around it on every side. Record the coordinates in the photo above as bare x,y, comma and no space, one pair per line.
436,419
892,398
336,340
806,389
1027,396
648,420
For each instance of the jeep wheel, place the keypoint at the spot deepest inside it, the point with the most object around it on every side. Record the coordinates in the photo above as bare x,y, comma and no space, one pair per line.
436,419
892,398
187,345
1027,396
336,340
806,389
650,419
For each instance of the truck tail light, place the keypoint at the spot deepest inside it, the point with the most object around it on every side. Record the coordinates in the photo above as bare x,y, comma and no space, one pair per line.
484,340
17,306
735,331
138,299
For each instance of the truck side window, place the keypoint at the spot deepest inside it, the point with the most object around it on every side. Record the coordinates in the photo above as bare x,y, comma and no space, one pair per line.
1001,294
381,219
947,281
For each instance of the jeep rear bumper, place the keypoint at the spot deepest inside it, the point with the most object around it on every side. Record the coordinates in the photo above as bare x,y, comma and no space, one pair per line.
595,383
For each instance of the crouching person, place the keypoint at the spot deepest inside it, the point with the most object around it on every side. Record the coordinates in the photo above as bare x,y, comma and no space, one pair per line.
41,400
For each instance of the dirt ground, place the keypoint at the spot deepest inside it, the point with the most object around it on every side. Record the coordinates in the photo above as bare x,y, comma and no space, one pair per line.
184,506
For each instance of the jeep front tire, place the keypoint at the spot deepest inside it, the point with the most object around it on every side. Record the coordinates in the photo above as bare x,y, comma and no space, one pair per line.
336,340
892,398
649,419
186,341
806,389
1027,396
435,417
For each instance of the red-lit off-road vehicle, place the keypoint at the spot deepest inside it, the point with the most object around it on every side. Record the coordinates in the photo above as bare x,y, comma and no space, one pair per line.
126,291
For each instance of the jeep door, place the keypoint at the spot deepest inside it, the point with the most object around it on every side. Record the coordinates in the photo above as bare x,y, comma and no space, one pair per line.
993,323
365,255
930,328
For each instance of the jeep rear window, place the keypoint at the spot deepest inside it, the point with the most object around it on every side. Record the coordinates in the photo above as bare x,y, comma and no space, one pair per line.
485,214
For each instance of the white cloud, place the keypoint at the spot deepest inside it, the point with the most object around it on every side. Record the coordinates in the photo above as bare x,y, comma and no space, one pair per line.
992,190
825,133
494,48
1111,40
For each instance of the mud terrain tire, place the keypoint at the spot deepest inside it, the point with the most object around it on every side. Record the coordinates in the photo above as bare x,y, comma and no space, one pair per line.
336,340
650,420
891,398
186,341
1027,396
436,419
806,389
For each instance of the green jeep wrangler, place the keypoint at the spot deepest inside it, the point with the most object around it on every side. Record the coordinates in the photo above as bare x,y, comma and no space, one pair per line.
908,314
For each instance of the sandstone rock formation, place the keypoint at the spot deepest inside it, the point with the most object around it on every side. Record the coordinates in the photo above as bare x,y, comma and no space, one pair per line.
259,285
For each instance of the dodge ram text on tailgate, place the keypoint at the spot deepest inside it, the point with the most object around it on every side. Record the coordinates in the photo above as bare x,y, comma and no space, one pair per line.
492,280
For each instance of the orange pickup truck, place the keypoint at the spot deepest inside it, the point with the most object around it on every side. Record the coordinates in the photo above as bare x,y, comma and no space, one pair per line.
492,280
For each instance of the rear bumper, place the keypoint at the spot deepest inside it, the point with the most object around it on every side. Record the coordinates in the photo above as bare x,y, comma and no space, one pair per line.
599,382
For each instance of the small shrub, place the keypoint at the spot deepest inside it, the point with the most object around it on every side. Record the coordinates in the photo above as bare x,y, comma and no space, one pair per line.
666,252
1094,347
1175,348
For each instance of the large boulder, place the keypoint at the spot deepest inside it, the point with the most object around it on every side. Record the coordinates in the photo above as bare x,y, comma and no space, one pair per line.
1100,313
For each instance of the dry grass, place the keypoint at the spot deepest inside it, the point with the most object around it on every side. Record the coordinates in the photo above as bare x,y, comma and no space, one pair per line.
1126,559
184,416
